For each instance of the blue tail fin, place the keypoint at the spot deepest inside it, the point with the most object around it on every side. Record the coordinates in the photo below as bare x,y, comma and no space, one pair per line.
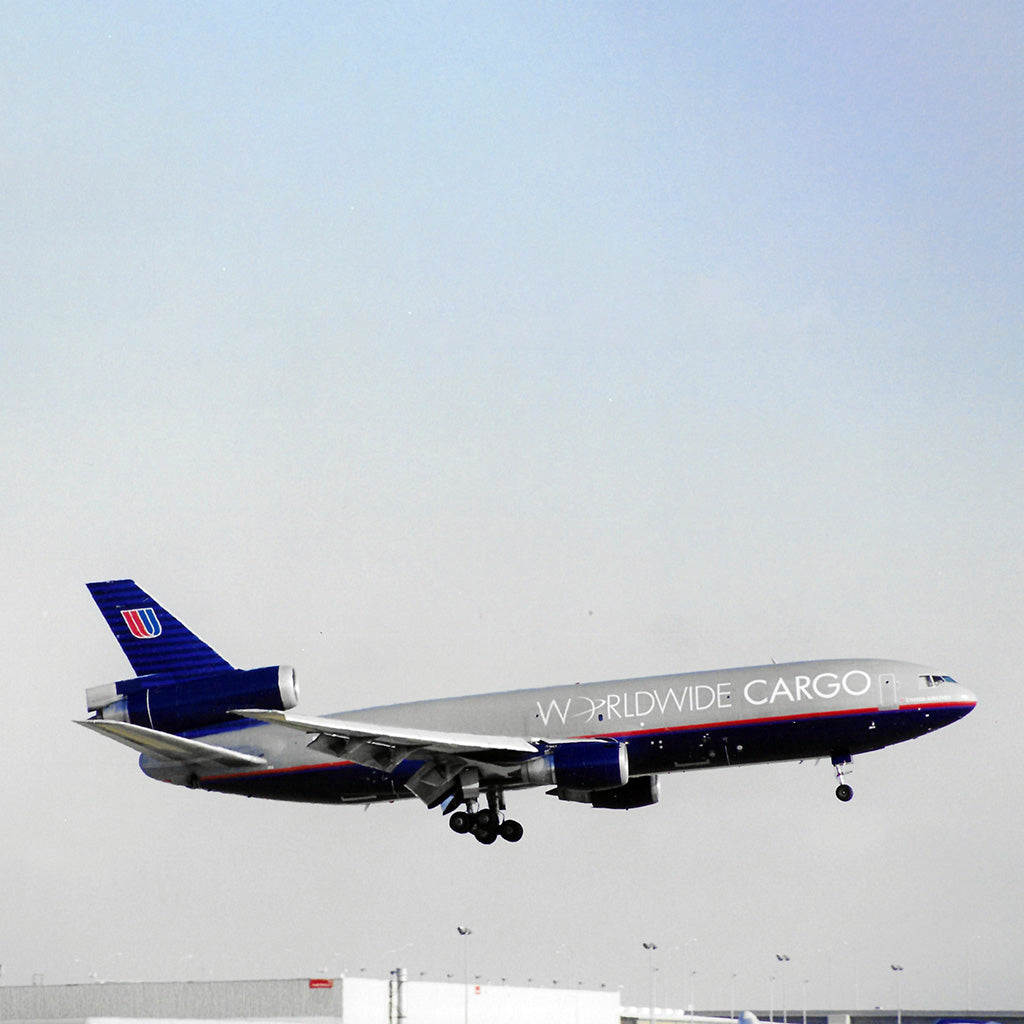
152,639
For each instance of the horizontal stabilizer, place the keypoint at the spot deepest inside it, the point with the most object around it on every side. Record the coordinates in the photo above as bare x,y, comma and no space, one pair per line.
514,747
178,749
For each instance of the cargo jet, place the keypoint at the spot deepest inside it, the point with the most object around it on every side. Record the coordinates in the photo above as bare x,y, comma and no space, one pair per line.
200,722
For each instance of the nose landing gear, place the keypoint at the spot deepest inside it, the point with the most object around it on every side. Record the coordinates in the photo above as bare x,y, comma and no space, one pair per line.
843,764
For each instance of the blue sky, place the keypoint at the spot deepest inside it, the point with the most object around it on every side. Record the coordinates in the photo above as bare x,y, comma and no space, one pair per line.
441,348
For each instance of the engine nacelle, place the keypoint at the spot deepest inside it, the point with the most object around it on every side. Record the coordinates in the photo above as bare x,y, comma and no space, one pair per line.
639,792
583,766
174,703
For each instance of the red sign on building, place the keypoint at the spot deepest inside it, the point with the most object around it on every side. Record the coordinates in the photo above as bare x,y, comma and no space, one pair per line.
321,983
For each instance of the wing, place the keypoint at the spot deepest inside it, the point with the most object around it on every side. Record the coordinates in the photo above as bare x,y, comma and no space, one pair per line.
446,756
497,748
177,749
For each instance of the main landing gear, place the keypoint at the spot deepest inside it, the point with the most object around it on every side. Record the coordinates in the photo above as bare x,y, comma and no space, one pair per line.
843,763
488,823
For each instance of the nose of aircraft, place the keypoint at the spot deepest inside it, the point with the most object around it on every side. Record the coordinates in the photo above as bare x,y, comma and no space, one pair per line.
958,699
966,698
945,696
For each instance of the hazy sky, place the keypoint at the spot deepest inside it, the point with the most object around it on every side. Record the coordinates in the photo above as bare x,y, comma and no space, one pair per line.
442,348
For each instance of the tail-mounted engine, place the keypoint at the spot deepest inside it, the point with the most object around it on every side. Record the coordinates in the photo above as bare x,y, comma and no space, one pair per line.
175,703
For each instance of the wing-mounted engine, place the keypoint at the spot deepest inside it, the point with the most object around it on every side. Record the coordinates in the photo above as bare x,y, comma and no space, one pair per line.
580,766
592,772
173,702
639,792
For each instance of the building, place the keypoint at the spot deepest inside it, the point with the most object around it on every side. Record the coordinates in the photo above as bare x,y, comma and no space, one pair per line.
335,1000
376,1001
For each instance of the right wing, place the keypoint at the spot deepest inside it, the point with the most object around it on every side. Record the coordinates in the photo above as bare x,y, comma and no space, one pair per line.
177,749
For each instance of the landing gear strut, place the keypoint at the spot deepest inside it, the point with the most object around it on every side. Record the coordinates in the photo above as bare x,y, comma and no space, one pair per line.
843,763
488,823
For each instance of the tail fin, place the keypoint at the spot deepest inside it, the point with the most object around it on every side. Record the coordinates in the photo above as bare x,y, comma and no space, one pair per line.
152,639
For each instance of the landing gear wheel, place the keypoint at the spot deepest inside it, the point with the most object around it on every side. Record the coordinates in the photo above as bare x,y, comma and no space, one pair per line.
486,823
488,818
485,832
460,822
511,831
844,792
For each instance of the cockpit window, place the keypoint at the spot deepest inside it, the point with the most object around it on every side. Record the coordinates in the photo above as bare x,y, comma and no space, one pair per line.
937,680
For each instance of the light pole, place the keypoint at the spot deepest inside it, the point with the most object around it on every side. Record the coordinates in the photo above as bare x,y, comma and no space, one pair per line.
898,968
651,947
690,962
967,950
783,959
465,933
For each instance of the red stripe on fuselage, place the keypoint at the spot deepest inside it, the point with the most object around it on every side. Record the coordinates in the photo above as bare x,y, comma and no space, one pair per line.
734,723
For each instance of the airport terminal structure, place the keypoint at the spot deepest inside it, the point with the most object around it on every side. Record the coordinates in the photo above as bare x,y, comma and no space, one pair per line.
362,1000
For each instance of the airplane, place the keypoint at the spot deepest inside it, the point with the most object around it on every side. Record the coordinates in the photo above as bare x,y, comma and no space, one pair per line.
200,722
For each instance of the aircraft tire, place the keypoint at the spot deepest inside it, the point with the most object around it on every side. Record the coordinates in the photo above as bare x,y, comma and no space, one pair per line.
844,792
460,822
485,834
487,819
511,831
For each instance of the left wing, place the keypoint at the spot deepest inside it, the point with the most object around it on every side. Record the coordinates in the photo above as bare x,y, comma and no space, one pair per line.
446,756
498,747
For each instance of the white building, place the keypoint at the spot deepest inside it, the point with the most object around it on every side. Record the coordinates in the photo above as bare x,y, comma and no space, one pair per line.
324,1000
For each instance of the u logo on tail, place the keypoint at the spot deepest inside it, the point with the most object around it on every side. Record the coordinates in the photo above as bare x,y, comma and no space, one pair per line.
142,622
